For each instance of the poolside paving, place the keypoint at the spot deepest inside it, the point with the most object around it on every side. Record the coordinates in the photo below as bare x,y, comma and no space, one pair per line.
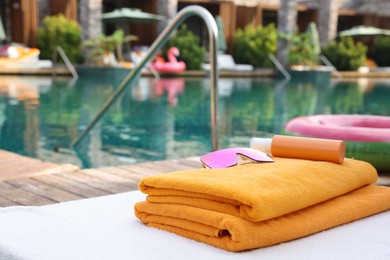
62,70
32,182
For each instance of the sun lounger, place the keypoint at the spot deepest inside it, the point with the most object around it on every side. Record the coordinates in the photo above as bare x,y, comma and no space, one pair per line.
226,62
106,228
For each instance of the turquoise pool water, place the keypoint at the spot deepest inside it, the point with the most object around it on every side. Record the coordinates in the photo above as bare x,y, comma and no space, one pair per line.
165,119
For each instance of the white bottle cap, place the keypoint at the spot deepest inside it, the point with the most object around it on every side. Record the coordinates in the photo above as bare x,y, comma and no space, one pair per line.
261,144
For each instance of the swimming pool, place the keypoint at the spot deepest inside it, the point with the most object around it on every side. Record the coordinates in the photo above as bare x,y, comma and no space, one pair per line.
164,119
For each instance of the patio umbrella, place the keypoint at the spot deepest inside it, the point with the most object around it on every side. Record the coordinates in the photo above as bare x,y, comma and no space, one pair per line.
3,36
314,37
222,46
363,30
130,15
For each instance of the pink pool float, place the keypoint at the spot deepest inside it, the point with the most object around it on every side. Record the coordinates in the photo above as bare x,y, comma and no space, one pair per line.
172,65
367,137
363,128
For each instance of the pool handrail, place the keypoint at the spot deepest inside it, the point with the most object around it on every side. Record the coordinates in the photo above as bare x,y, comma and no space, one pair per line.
279,66
157,44
330,66
68,63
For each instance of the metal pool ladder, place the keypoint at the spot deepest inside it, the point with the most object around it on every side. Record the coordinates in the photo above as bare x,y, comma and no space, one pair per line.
157,44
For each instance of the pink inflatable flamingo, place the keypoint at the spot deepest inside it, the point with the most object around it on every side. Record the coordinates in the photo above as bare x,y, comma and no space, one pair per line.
172,65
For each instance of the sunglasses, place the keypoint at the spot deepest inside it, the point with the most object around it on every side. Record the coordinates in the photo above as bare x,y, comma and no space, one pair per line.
229,157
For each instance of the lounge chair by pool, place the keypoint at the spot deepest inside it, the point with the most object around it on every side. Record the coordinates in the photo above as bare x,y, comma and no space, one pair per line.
106,228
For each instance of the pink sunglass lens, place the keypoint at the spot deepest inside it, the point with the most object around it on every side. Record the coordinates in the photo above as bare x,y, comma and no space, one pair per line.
219,159
228,157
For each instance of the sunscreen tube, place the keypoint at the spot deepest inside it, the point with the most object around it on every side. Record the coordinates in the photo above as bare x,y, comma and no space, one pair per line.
301,148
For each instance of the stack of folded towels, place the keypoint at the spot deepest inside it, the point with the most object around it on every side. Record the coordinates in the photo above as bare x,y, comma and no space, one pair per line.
261,204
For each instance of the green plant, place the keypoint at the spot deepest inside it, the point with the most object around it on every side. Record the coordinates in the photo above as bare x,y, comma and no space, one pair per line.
253,45
302,51
345,54
189,46
59,31
380,51
99,48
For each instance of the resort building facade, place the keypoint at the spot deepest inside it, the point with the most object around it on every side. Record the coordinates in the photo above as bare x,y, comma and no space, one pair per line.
22,18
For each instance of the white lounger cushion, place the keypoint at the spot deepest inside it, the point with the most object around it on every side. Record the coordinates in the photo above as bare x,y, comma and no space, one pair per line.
226,62
106,228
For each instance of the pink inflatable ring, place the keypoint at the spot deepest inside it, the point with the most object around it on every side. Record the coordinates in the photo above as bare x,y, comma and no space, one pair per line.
367,137
358,128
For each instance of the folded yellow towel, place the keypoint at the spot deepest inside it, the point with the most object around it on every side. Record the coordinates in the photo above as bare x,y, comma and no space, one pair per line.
236,234
259,191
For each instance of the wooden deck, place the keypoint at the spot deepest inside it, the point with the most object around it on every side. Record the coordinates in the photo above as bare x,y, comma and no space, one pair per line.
27,181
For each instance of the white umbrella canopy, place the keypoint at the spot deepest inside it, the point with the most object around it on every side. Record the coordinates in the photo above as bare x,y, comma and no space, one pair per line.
363,30
130,15
314,37
3,36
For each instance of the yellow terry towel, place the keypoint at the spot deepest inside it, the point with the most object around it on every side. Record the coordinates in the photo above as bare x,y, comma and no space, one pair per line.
236,234
262,191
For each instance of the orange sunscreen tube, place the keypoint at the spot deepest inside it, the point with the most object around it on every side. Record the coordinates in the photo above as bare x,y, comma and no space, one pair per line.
301,148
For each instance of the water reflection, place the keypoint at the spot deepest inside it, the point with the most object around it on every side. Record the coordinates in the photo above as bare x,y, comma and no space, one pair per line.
149,88
19,120
170,118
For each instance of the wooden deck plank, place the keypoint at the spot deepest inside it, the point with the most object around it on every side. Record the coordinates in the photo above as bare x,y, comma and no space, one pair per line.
22,197
131,177
193,162
126,173
15,166
44,190
6,203
118,180
28,170
163,167
158,167
174,165
141,170
97,182
79,188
